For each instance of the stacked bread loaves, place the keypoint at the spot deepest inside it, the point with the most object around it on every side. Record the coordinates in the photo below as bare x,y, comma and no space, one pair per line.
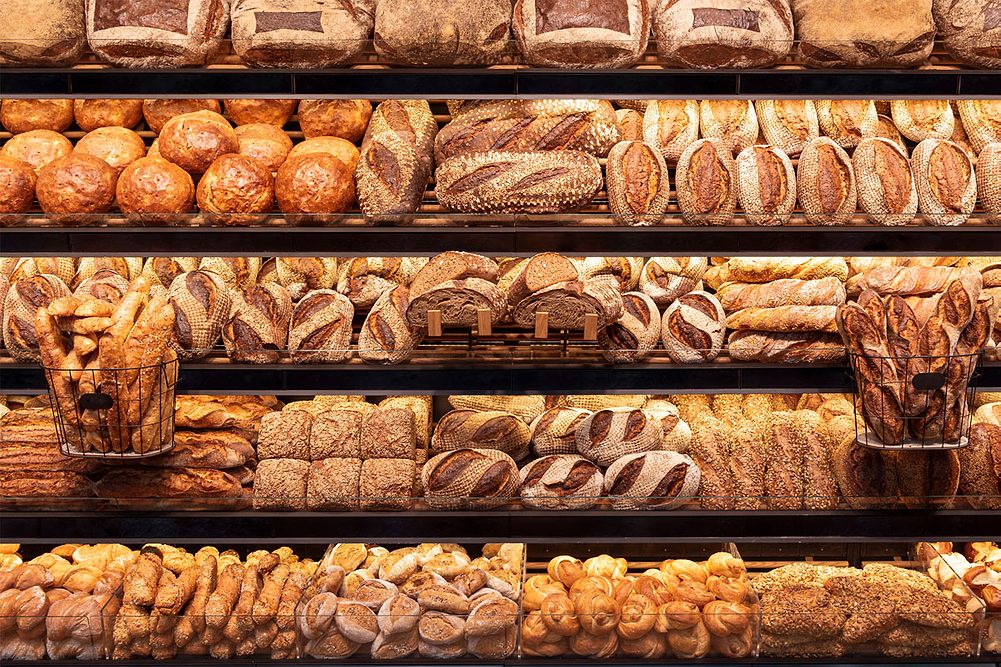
599,609
434,601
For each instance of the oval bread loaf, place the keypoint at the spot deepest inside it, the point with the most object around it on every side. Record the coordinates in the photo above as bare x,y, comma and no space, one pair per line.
24,298
671,126
634,335
637,182
518,182
664,279
707,183
452,265
825,183
946,181
484,430
300,275
733,122
612,433
561,482
555,431
693,328
923,119
652,480
766,185
848,122
469,478
623,273
320,331
981,120
886,190
386,335
526,408
970,30
788,124
257,329
201,305
989,179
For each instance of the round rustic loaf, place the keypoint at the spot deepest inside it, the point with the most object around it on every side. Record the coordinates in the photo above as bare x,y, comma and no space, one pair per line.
365,279
201,304
36,114
106,285
320,331
612,433
562,481
989,179
301,275
346,119
37,148
158,112
264,142
93,114
848,122
664,279
970,30
526,408
693,328
623,273
236,190
17,188
127,267
677,433
312,185
236,272
249,112
256,330
923,119
193,141
341,149
118,146
555,431
652,480
569,303
74,187
154,191
484,430
469,478
634,335
24,298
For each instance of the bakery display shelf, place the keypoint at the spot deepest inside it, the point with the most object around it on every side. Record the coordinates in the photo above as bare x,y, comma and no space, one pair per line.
501,236
530,526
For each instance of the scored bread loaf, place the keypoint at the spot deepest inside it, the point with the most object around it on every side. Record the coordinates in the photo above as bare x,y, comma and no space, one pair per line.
568,303
365,279
442,33
664,279
981,120
236,272
637,182
529,125
630,124
970,30
609,434
300,275
320,329
518,182
652,480
784,319
300,34
923,119
825,183
945,181
459,302
536,273
909,280
560,481
848,122
469,478
785,348
452,265
766,185
623,273
396,159
723,34
526,408
157,35
787,291
857,33
24,298
707,183
634,335
257,328
888,130
485,430
555,431
105,285
711,452
767,269
989,180
788,124
162,270
733,122
41,34
693,328
201,305
671,126
386,335
587,34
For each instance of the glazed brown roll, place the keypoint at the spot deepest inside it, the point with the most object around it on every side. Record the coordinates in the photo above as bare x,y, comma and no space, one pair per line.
17,189
37,148
693,328
561,482
25,115
257,328
346,119
320,330
311,187
634,335
485,430
788,124
201,304
609,434
155,191
250,112
74,187
193,141
387,336
637,182
236,190
469,478
158,112
93,114
264,142
118,146
707,183
825,183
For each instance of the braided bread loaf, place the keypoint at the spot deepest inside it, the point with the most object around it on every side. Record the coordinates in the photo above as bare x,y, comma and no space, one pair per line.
320,330
612,433
257,328
201,305
485,430
469,478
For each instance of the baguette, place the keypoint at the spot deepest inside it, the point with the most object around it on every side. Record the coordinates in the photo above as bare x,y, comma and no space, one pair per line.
784,319
767,269
827,291
909,280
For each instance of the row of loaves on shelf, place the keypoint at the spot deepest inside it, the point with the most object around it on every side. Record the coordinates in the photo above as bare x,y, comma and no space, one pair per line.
441,601
333,453
705,34
388,310
891,161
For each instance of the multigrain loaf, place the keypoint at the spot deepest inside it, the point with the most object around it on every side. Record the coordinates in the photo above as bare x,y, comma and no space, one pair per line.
637,182
652,480
847,122
459,302
664,279
485,430
981,120
671,126
825,183
733,122
568,304
236,272
788,124
529,125
386,335
766,185
693,328
536,273
923,119
707,183
710,450
609,434
886,188
320,329
945,180
256,330
723,34
518,182
452,265
634,335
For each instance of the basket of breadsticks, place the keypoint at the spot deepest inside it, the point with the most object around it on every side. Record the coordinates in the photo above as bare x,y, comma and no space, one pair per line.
111,372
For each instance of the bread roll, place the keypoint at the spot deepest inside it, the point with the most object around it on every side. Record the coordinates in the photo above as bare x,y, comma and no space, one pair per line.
459,302
637,181
256,330
788,124
483,430
891,34
341,149
886,189
396,158
825,182
312,186
117,146
201,304
183,33
529,125
158,112
252,112
848,122
26,115
707,183
589,34
568,303
469,478
518,182
53,36
923,119
733,122
442,33
320,330
75,187
561,482
555,431
17,189
664,279
693,328
635,334
946,182
23,300
346,119
93,114
766,185
671,126
37,148
264,142
193,141
969,31
154,191
652,480
387,336
612,433
236,190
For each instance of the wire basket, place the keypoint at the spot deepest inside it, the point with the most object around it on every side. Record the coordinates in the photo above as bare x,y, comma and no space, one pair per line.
917,402
116,413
